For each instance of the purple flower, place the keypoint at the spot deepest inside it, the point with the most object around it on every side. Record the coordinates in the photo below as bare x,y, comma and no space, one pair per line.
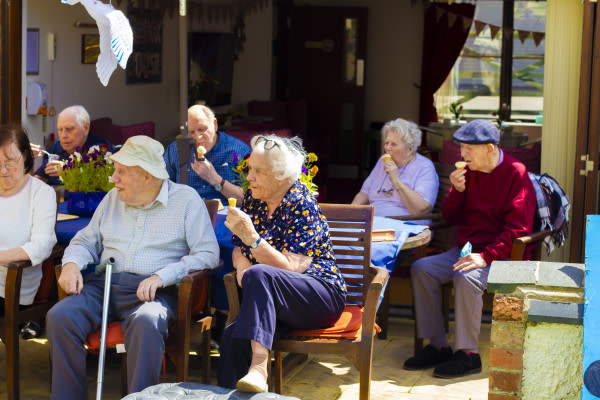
85,159
304,170
98,164
94,156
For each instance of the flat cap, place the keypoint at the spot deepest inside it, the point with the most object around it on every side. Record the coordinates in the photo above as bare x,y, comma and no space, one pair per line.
479,131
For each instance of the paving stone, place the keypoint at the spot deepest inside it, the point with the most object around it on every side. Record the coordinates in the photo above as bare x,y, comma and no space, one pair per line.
506,276
558,313
561,275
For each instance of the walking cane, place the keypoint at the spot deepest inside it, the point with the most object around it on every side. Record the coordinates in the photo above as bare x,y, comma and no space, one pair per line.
100,268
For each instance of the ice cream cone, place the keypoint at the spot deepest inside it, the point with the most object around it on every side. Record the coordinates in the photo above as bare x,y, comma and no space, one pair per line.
386,158
232,201
460,165
201,150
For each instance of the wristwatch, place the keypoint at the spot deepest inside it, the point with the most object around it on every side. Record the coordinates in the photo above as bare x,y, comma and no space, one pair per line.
219,186
255,244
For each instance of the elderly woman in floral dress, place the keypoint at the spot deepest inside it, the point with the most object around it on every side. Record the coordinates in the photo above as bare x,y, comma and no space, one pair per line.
284,261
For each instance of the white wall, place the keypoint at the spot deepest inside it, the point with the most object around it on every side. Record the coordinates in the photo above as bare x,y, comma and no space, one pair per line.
70,82
395,31
252,70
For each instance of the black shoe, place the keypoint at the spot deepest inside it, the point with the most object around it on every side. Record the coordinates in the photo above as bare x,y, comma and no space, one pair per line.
460,364
31,330
429,357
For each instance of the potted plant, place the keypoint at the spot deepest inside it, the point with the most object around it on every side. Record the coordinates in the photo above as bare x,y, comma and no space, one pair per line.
202,89
502,115
86,176
456,110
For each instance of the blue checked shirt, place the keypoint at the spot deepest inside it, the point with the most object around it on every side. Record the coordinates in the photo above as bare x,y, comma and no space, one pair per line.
169,237
221,157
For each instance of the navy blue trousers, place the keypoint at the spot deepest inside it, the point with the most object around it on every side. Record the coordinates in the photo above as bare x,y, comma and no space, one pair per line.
274,303
145,327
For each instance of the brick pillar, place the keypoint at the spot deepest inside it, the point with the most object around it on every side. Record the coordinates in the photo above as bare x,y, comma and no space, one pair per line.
506,351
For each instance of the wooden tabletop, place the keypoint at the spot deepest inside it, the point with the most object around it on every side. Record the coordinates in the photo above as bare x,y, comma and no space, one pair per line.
417,240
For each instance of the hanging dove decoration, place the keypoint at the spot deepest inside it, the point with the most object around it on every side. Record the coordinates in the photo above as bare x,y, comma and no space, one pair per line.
116,37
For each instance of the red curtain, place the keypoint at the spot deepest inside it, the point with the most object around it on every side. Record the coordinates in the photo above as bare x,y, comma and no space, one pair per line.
441,47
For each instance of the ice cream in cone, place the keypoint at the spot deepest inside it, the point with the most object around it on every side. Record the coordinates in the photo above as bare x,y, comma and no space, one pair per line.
386,158
232,201
201,150
460,165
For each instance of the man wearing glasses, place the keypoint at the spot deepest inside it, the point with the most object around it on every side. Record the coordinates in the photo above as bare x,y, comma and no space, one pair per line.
212,176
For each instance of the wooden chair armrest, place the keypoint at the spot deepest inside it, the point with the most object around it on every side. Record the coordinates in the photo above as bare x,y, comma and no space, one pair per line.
57,271
518,248
57,252
185,296
233,295
416,217
379,278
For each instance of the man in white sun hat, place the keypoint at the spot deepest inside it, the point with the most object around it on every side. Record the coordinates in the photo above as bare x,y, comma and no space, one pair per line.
157,231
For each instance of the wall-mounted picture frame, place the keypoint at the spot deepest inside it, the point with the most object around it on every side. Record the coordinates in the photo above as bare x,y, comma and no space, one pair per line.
90,48
32,60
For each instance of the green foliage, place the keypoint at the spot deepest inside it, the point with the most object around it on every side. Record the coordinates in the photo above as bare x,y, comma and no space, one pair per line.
88,171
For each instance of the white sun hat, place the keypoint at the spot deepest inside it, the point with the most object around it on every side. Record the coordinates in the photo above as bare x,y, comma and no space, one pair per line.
144,152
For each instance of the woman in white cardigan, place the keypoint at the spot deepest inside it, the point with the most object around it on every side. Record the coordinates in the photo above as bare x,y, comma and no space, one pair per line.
28,215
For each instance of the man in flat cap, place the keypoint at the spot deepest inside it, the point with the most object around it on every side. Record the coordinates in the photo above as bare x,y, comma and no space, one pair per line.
493,202
157,231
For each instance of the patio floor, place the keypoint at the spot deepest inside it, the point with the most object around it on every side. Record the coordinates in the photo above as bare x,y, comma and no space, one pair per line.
321,377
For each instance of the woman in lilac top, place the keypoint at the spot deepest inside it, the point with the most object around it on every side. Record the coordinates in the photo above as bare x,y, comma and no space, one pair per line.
407,184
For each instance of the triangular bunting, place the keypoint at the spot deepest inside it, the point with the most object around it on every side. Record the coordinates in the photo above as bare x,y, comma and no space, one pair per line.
538,37
452,19
494,31
466,23
479,26
523,35
508,32
439,13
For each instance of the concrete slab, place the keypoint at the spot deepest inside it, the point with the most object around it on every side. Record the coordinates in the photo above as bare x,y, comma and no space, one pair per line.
505,276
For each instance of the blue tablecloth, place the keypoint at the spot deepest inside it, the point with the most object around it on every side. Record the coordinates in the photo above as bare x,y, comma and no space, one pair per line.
65,230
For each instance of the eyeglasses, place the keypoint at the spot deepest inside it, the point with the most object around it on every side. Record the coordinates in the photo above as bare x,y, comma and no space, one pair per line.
10,164
386,192
269,143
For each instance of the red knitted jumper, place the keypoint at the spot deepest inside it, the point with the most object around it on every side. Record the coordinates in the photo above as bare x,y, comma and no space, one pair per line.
493,210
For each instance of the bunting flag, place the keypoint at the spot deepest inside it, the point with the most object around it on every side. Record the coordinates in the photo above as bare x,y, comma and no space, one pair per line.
538,37
479,26
467,23
494,31
524,35
452,19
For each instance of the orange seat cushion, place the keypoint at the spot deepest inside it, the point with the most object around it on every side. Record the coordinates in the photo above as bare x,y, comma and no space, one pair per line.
348,326
114,336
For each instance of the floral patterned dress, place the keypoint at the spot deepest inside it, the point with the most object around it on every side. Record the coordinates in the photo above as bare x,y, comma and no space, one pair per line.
296,226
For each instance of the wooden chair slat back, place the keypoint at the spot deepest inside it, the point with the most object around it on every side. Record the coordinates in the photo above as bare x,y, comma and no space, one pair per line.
351,225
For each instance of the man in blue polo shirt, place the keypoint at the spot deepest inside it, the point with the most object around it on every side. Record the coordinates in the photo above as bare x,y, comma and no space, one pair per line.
212,177
73,131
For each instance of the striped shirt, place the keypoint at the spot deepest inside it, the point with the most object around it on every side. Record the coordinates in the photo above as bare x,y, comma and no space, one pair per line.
221,157
169,237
